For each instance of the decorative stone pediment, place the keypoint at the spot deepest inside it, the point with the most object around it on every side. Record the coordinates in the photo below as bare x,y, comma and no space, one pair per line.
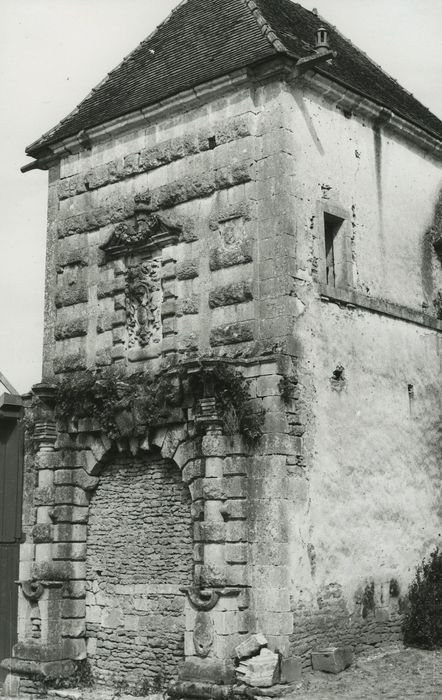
147,232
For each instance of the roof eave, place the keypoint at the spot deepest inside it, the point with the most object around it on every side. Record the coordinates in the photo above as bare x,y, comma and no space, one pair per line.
283,63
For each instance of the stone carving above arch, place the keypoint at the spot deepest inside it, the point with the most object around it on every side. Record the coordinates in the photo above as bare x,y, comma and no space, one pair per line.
148,231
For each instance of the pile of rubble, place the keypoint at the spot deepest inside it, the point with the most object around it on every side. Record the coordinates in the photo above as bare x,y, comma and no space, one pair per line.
260,668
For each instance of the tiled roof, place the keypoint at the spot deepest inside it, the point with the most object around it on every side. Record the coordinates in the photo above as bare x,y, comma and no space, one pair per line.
205,39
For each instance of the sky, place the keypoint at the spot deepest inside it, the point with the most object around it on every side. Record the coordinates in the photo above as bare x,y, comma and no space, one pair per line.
52,52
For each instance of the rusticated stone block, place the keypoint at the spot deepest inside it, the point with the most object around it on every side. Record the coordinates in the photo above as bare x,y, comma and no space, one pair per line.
105,322
188,306
31,651
235,293
235,466
47,460
75,477
231,175
70,295
44,496
52,570
214,445
70,533
69,514
70,363
70,495
227,256
73,608
103,358
98,177
71,329
232,333
236,531
46,669
107,288
187,269
213,531
203,185
332,659
131,164
237,128
42,533
72,256
75,551
192,470
75,589
236,553
212,575
214,489
237,575
236,509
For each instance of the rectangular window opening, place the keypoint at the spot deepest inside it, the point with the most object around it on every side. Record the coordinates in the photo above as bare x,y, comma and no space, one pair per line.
332,226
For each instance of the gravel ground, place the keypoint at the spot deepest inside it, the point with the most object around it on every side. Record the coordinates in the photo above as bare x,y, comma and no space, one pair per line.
393,673
389,673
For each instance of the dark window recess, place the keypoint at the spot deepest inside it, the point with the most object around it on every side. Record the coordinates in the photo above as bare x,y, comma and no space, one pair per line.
332,225
212,142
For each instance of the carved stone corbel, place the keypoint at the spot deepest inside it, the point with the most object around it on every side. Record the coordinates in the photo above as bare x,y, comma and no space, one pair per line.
32,589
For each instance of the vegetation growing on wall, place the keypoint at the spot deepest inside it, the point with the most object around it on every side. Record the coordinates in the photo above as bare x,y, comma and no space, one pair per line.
422,625
125,405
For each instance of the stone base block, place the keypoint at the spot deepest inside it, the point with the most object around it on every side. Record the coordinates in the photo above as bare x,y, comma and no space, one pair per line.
332,659
36,669
207,671
190,689
11,686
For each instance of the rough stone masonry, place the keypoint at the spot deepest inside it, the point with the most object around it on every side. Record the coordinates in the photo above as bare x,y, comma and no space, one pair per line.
272,219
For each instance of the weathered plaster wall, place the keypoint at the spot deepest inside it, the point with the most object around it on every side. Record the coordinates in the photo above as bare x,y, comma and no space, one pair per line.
388,187
366,502
139,554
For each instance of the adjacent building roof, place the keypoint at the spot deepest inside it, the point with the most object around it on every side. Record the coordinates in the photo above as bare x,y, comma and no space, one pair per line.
204,39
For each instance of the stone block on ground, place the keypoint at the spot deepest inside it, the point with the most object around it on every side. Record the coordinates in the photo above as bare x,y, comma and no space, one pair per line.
259,671
251,646
291,670
332,659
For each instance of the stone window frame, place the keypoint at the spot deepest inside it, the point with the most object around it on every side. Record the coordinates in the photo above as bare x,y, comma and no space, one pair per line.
344,268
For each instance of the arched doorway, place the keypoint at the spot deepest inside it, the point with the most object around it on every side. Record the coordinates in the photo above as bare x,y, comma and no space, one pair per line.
139,554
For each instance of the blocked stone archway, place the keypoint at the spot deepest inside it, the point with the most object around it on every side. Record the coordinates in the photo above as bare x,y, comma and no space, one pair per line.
139,557
88,613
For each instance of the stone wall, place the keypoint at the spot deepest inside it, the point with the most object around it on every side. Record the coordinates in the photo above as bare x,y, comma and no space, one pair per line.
367,384
139,555
374,620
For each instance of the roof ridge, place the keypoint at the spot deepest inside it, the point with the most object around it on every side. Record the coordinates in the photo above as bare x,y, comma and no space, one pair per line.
266,29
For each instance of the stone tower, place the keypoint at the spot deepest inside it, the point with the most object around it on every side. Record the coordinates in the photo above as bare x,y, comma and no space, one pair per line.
246,195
